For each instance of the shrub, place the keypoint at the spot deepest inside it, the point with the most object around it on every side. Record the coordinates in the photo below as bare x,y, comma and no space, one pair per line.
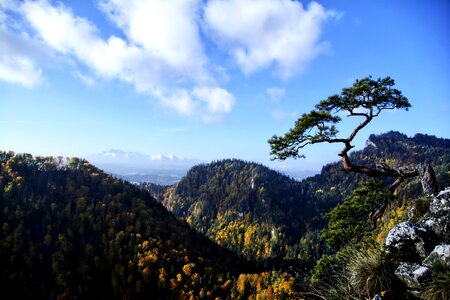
348,222
325,268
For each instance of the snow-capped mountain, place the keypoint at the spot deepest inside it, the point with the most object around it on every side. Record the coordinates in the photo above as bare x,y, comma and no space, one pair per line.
162,157
115,156
137,165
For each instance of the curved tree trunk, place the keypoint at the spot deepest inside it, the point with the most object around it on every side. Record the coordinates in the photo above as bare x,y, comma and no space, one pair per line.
424,171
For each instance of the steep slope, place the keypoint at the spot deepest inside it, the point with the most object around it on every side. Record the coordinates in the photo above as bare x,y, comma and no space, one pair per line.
245,206
256,212
70,231
262,214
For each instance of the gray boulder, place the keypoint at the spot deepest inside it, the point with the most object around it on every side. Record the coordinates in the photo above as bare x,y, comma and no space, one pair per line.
417,247
407,241
412,274
441,203
439,226
441,253
438,218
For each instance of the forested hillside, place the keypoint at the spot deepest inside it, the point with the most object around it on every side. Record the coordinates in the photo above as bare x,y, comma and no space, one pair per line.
261,214
246,207
70,231
393,149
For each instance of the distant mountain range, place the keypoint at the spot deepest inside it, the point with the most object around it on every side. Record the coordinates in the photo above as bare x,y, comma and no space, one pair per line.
138,167
136,159
159,169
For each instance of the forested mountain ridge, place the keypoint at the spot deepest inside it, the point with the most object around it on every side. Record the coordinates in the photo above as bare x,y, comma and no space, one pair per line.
260,214
244,206
68,230
393,149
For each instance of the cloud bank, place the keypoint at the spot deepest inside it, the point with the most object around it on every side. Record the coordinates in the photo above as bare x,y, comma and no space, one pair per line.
265,32
163,48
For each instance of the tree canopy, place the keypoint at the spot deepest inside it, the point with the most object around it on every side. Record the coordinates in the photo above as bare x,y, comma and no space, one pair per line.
366,99
347,222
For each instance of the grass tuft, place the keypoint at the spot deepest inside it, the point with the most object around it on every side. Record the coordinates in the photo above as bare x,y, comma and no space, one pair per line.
368,272
364,273
438,286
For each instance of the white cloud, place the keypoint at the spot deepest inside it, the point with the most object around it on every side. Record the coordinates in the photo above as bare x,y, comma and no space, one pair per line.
87,80
18,52
211,103
275,93
261,33
180,101
17,65
163,45
19,69
73,36
218,100
168,29
162,51
58,27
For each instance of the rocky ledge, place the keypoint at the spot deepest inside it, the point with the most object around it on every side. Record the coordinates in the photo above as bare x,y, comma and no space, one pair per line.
416,247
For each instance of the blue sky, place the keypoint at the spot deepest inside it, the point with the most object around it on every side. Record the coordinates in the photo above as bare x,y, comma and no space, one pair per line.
210,79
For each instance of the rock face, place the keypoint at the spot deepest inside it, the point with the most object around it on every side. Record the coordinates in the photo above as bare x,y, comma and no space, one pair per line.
443,204
428,179
418,246
438,218
412,274
441,253
408,241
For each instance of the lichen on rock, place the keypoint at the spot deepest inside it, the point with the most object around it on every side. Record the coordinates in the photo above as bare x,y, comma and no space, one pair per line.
408,241
441,253
437,220
412,274
416,247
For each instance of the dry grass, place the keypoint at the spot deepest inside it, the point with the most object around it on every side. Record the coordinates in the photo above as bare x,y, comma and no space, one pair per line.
368,272
339,289
438,287
364,274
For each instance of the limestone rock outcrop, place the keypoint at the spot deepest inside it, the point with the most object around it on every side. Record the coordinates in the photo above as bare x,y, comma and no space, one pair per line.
416,247
438,218
407,241
412,274
441,253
